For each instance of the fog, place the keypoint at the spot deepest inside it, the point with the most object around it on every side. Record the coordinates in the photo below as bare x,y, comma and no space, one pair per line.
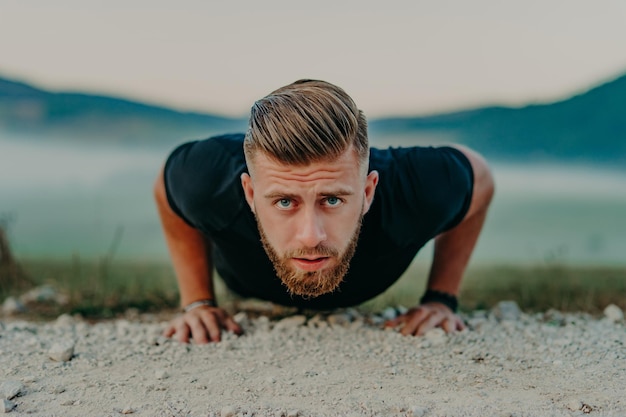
66,200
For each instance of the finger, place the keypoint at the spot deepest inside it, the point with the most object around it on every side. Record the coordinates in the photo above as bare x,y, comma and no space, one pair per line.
232,326
402,318
414,321
449,325
181,331
460,325
431,322
169,331
198,330
211,324
395,322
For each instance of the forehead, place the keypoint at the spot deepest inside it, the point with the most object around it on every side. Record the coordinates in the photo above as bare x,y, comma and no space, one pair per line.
266,171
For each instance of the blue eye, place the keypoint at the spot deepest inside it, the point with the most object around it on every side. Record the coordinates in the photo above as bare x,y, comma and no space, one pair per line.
333,201
284,203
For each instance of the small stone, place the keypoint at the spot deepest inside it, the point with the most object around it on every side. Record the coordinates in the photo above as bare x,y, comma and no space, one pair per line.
42,294
293,413
613,313
339,319
389,313
11,389
507,311
64,320
573,404
161,374
228,411
290,322
12,306
436,336
7,406
57,390
62,351
418,411
128,410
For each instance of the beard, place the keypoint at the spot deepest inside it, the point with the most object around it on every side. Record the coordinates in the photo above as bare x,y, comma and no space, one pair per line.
311,284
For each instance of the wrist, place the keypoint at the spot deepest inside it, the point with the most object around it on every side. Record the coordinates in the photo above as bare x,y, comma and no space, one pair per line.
199,303
434,296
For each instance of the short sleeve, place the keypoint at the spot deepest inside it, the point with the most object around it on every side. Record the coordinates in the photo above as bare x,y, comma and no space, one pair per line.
427,191
202,181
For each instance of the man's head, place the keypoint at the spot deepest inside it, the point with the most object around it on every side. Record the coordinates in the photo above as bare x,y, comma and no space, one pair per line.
307,153
304,122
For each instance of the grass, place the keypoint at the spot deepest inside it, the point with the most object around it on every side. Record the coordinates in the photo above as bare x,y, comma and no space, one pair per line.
533,287
102,289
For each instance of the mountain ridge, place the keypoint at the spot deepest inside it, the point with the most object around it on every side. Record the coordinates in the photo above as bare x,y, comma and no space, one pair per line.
589,126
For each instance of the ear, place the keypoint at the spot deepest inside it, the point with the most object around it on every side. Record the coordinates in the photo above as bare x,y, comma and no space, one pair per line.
248,189
370,187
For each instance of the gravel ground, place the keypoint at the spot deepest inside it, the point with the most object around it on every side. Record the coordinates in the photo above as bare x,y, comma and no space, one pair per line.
506,364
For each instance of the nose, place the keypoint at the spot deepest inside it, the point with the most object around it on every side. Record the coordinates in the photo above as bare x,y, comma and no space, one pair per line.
311,231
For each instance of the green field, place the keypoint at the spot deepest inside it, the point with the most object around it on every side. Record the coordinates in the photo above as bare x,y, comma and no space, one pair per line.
100,289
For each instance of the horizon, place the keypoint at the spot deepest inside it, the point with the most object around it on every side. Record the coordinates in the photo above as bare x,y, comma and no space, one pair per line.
166,106
402,59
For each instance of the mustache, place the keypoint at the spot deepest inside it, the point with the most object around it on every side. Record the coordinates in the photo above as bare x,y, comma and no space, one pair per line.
319,250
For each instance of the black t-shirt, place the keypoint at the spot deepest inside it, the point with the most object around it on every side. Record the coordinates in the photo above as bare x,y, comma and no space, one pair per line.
422,191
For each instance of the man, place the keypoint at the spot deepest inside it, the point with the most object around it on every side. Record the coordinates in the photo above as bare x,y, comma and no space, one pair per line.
300,211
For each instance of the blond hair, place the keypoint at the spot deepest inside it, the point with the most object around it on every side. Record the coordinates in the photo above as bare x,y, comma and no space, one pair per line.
304,122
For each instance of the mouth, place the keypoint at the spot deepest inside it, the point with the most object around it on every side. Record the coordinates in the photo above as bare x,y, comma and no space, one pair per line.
311,264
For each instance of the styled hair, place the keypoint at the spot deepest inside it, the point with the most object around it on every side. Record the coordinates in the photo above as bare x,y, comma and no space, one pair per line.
304,122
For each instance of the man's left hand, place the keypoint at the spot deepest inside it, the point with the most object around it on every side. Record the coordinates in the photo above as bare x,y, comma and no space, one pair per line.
421,319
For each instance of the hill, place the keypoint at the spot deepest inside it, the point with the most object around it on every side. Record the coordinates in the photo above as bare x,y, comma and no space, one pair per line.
29,111
589,127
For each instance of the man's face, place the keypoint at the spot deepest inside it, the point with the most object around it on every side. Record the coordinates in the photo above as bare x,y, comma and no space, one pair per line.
309,217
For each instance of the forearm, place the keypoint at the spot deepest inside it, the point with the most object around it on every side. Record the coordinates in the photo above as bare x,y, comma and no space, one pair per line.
189,251
452,253
193,267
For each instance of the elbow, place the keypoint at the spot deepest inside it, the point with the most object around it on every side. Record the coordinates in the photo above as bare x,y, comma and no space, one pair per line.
158,189
484,186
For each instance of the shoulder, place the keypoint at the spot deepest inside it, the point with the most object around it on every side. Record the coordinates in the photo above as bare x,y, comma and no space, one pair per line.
422,190
202,180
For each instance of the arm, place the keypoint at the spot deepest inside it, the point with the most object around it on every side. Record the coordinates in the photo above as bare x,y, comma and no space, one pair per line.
453,249
194,272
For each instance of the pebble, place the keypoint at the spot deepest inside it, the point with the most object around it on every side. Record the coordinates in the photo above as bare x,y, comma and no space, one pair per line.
389,313
11,389
290,322
574,404
42,294
228,411
417,411
507,311
7,406
161,374
12,306
293,413
614,313
62,351
339,319
436,336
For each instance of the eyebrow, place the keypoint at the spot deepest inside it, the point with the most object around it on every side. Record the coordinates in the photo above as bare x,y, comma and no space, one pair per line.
335,193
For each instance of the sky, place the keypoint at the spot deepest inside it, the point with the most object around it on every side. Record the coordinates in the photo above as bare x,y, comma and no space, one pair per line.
397,57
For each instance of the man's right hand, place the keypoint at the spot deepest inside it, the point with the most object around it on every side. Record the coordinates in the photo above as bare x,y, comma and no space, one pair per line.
202,324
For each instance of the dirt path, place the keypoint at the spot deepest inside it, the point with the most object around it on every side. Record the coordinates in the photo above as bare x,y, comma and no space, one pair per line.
341,365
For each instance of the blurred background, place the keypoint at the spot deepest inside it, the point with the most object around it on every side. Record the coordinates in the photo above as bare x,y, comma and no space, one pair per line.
94,95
